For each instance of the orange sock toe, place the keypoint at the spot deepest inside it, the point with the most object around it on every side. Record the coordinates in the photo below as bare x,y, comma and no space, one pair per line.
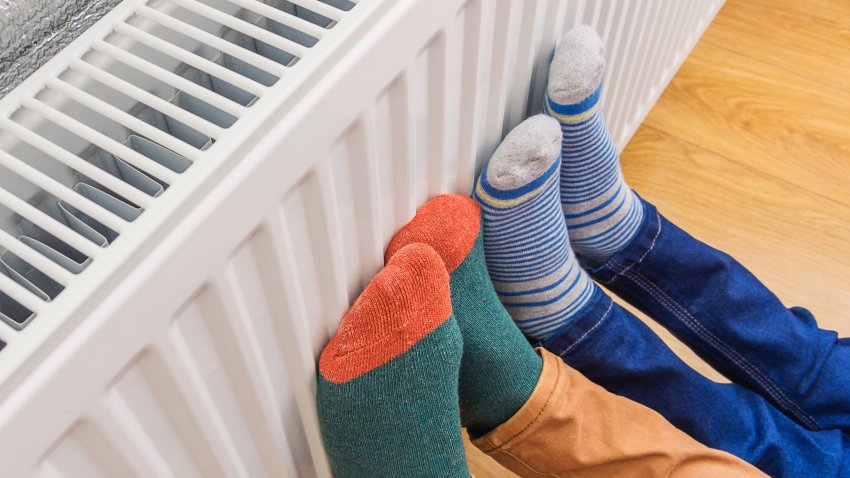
405,301
387,392
449,223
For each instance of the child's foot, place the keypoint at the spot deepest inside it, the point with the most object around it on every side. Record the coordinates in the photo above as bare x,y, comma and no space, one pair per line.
602,213
499,369
528,251
387,391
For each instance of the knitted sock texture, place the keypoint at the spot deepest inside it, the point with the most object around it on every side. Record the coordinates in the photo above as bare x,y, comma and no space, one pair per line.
601,212
499,369
387,389
533,268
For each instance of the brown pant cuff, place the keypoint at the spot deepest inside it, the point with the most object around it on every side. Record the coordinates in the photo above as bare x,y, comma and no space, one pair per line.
528,414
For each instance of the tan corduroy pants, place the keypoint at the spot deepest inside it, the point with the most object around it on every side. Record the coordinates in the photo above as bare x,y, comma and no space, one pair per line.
571,427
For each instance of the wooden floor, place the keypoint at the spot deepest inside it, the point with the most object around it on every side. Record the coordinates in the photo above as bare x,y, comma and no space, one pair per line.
749,150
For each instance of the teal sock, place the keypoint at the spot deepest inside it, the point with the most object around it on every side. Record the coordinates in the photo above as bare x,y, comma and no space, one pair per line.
602,213
387,389
499,369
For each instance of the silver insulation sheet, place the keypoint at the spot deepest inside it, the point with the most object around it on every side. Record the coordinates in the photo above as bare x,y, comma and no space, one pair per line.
33,31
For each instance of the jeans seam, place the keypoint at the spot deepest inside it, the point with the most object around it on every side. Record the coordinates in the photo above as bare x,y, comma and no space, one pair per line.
727,350
589,331
755,373
615,262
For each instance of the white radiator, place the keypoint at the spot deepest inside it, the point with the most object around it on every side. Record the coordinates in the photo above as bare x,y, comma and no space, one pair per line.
194,191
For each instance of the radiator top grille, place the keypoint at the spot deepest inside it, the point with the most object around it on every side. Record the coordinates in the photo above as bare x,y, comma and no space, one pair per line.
85,152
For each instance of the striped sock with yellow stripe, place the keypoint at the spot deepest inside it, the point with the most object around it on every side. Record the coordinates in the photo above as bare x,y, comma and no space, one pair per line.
531,264
601,212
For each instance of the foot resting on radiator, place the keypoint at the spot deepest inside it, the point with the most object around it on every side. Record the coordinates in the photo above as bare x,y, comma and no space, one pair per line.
602,213
528,252
499,369
387,389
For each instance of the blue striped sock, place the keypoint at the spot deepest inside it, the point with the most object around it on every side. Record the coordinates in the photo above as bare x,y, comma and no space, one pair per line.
526,245
601,212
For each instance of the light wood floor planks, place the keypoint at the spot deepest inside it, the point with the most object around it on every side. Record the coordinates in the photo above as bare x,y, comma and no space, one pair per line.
748,149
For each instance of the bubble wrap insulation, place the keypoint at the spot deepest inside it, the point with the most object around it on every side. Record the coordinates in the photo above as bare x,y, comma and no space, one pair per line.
32,31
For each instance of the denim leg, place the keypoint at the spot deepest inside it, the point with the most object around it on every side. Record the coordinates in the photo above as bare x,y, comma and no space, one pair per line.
615,349
719,309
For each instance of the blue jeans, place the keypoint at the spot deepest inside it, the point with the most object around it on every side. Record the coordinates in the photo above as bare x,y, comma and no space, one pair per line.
720,310
664,271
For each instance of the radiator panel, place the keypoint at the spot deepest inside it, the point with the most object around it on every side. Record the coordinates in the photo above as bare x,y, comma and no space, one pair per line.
191,348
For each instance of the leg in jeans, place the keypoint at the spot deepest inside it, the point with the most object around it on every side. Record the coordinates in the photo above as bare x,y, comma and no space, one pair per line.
613,348
552,300
724,313
702,295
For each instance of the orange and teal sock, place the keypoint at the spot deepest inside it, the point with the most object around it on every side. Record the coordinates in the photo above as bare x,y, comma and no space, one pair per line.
499,369
387,392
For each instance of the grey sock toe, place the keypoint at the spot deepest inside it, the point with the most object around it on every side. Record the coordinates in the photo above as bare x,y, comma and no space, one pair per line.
525,153
577,67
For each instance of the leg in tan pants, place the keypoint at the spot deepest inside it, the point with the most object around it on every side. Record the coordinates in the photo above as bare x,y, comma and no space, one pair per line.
571,427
